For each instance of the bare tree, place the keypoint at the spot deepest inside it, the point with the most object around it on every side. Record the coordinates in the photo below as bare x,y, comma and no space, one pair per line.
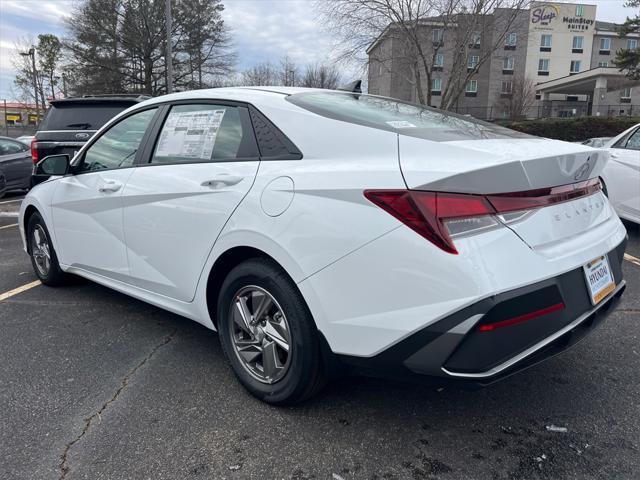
288,74
412,34
320,76
522,97
48,57
263,73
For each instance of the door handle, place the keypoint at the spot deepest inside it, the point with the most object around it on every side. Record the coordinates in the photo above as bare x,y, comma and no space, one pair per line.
222,181
110,186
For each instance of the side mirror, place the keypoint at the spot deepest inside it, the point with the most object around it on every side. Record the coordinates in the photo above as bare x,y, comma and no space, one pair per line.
53,165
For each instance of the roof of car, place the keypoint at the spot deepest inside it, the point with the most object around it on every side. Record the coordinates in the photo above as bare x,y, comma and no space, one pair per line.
104,99
258,95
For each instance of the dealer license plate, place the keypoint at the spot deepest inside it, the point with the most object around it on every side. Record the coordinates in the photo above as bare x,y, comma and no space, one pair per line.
599,279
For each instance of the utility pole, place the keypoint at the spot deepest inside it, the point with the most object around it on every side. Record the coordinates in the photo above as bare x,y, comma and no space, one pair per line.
169,53
6,125
32,53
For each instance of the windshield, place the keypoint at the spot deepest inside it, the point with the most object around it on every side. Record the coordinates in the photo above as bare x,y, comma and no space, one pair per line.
399,117
77,116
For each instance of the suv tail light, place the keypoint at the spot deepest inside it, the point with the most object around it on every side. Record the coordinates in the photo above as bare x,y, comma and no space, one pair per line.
34,151
439,216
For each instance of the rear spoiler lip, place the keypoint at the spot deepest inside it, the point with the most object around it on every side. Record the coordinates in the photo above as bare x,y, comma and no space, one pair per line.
519,175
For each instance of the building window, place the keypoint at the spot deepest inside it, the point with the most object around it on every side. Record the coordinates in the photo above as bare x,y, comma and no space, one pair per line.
507,63
543,66
438,61
438,35
575,66
545,41
472,86
511,39
472,62
577,44
603,64
605,45
436,85
475,39
507,87
579,10
625,93
632,44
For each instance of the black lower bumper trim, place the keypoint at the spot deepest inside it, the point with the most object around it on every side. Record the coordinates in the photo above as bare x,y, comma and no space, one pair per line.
453,350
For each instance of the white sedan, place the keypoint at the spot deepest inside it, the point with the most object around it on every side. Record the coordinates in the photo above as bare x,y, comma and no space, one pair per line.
621,176
325,232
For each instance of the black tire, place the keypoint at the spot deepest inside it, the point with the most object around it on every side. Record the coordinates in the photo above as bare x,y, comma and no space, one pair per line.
304,375
54,276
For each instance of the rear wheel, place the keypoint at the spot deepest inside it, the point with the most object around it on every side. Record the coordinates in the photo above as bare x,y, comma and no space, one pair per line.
43,256
268,334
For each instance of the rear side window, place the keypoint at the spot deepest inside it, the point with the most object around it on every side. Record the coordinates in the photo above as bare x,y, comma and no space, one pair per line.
399,117
81,116
205,133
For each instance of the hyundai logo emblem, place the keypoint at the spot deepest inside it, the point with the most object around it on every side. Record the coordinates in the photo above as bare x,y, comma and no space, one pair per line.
582,171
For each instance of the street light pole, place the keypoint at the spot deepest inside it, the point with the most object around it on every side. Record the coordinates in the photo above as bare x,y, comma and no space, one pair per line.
169,53
32,53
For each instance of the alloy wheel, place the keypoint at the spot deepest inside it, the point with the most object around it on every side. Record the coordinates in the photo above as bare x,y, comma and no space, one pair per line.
40,250
260,334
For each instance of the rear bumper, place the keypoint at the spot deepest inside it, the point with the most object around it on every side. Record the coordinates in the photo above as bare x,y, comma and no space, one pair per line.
454,350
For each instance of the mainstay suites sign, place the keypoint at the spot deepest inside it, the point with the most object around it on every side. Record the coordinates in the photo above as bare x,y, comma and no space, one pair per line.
562,16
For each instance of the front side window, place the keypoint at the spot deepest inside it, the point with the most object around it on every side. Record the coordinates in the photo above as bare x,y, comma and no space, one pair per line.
507,87
605,44
202,133
9,147
575,66
472,61
577,42
436,84
117,147
545,41
438,60
399,117
511,39
472,86
543,65
632,44
507,63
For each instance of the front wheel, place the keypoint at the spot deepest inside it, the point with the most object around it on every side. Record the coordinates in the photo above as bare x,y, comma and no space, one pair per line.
268,334
43,256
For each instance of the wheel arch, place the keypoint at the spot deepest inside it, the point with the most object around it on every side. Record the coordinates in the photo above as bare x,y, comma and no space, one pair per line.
28,213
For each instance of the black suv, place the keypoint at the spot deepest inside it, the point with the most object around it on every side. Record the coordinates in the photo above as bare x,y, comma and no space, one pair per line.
70,122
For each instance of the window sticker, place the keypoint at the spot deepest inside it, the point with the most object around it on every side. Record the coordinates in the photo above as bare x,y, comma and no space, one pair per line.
400,124
190,134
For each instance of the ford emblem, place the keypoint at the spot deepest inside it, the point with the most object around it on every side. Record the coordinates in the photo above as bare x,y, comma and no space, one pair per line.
82,136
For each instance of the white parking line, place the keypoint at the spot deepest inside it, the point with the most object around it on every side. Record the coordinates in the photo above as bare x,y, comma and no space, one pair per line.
632,259
15,291
8,226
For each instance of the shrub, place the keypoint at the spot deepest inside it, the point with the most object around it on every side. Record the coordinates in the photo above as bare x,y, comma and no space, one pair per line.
574,129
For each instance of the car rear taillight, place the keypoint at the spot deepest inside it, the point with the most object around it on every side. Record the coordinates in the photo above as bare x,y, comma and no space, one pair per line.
34,151
440,216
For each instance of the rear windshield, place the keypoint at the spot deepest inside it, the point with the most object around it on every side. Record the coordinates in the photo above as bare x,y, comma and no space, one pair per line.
399,117
81,116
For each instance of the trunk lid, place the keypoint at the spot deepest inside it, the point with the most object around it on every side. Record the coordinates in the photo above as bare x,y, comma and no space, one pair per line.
495,166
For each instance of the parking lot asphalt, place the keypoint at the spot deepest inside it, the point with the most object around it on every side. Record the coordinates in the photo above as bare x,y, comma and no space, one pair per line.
96,385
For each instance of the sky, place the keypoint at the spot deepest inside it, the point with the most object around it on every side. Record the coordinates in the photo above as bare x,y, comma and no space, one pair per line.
261,29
